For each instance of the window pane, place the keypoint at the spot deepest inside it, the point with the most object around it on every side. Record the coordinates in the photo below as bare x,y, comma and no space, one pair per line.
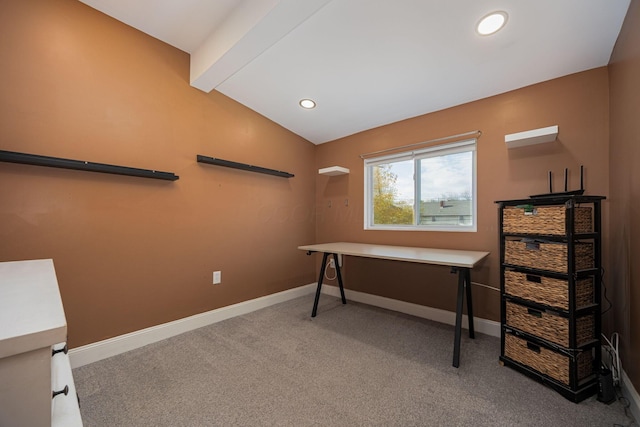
393,193
446,189
429,189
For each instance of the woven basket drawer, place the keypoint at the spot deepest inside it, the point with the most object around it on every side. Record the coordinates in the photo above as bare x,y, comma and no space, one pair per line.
545,220
547,256
549,326
547,290
545,361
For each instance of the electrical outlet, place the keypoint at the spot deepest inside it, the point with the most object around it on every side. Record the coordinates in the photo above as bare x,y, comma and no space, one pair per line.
217,277
331,263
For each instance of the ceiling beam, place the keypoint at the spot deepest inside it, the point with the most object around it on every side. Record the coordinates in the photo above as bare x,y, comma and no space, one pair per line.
252,28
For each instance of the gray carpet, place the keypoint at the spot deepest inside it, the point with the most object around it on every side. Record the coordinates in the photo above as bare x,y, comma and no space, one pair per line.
353,365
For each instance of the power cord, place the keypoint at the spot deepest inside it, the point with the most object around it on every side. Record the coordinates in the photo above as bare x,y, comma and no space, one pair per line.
627,411
611,347
331,264
604,287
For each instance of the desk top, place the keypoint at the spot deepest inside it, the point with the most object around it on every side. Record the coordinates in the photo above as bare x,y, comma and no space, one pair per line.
448,257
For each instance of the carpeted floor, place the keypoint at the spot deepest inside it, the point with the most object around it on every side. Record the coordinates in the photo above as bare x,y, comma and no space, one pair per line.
353,365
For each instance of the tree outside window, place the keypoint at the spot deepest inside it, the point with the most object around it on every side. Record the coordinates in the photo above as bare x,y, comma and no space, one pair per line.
387,208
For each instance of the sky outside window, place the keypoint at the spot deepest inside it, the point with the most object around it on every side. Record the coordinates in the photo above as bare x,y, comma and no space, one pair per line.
446,177
442,176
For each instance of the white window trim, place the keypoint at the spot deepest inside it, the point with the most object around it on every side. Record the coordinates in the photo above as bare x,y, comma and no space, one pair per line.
437,150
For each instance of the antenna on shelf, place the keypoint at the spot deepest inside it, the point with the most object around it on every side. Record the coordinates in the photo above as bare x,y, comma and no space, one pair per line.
566,191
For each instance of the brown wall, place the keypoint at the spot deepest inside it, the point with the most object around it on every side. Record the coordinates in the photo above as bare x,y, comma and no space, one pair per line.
624,80
578,104
134,252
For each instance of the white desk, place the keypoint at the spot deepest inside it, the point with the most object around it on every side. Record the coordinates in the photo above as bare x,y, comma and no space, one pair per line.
459,260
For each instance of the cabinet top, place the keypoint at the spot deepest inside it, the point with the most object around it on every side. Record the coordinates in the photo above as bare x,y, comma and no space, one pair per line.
552,200
31,312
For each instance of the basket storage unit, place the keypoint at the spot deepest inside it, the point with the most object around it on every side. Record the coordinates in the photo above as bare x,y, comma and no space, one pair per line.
553,364
550,263
547,290
549,325
543,220
552,256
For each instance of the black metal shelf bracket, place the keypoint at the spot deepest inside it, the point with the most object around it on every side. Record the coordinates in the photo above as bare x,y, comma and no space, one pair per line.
242,166
57,162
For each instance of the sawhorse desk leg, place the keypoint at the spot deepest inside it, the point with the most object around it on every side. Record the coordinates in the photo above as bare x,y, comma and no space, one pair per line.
323,267
464,287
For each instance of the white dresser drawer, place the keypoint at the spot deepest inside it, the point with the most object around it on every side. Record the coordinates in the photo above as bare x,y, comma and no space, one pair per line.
65,411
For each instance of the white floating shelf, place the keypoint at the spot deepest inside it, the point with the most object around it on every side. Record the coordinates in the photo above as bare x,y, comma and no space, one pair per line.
531,137
333,171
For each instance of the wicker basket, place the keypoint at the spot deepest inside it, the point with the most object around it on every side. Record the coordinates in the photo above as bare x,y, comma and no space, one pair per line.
549,220
547,290
545,361
549,326
547,256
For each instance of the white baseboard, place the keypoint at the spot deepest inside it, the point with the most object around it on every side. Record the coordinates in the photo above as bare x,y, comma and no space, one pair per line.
631,394
484,326
113,346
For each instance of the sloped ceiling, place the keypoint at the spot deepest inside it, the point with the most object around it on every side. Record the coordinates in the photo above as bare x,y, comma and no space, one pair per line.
368,63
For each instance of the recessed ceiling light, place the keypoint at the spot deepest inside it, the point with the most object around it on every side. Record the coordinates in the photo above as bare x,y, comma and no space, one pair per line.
307,103
491,23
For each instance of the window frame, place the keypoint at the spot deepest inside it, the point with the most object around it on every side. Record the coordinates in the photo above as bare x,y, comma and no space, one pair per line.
467,145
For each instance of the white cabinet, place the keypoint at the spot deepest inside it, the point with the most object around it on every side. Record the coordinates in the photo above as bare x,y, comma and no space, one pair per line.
32,321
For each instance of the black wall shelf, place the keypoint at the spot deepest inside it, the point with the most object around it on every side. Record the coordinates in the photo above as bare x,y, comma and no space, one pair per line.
243,166
57,162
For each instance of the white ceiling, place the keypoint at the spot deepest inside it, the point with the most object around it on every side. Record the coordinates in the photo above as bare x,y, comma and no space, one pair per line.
368,63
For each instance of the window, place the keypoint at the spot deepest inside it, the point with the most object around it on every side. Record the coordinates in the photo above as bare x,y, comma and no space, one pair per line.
428,189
